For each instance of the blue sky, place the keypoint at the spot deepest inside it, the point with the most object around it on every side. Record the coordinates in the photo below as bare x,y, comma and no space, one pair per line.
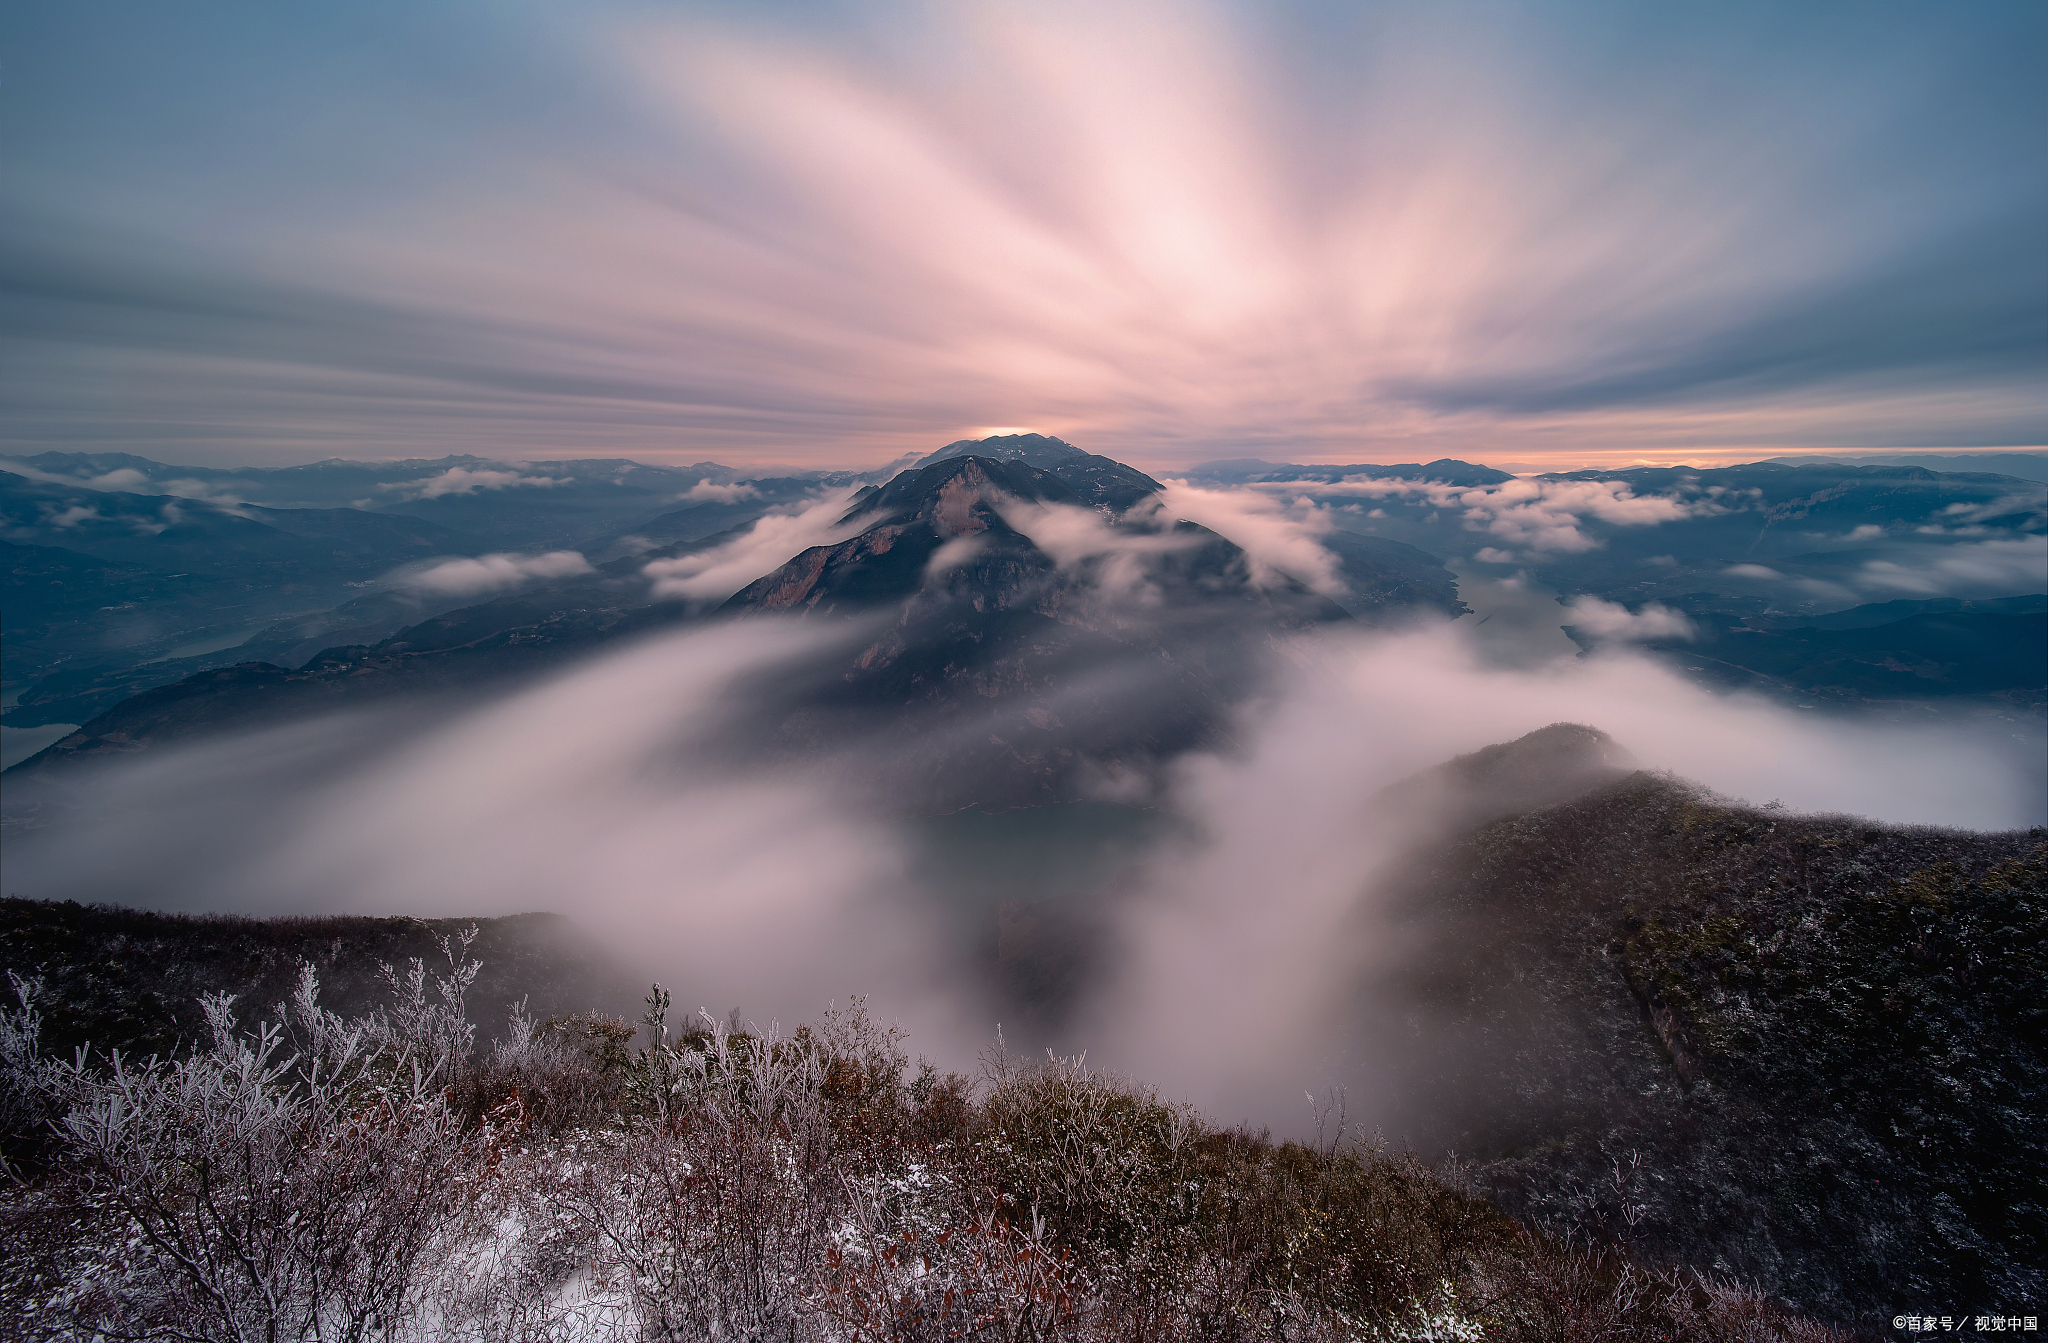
829,234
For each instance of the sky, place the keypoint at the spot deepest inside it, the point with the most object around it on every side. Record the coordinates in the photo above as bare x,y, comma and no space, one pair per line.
823,235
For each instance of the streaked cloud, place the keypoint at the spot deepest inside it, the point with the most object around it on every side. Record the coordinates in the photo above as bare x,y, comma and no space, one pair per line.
1168,231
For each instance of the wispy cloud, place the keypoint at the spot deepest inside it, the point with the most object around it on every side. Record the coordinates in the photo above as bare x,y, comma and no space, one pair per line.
1539,517
2010,565
613,793
466,480
1277,535
1115,561
1613,622
706,491
710,576
486,574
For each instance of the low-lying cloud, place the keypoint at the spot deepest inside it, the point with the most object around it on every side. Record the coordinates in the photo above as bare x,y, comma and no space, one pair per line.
1544,515
464,480
1996,566
128,480
1523,517
711,492
1277,535
1613,622
710,576
1116,560
612,794
487,574
1249,939
2016,564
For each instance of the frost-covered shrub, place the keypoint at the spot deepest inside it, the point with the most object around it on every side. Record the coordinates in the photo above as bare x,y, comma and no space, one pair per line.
320,1177
555,1076
714,1207
28,1092
1108,1167
295,1180
982,1278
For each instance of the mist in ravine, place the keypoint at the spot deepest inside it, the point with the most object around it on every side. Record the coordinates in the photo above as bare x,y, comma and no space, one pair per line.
1216,927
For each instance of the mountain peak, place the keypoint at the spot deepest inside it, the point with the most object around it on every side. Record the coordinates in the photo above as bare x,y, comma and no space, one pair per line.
1101,481
943,486
1035,448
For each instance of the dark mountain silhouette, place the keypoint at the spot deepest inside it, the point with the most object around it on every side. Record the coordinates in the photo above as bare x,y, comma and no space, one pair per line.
1445,470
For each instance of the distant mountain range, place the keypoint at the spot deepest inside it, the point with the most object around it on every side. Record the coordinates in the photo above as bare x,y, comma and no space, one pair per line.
2019,465
1748,555
182,597
1253,470
1887,651
199,555
1121,653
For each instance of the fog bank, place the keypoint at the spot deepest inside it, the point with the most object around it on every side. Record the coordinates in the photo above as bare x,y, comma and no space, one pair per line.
1233,935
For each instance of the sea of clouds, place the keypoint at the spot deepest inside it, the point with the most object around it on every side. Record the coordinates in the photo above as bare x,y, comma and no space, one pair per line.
611,793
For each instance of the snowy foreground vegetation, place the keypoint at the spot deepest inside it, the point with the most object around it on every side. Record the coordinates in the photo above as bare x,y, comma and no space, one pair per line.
315,1177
